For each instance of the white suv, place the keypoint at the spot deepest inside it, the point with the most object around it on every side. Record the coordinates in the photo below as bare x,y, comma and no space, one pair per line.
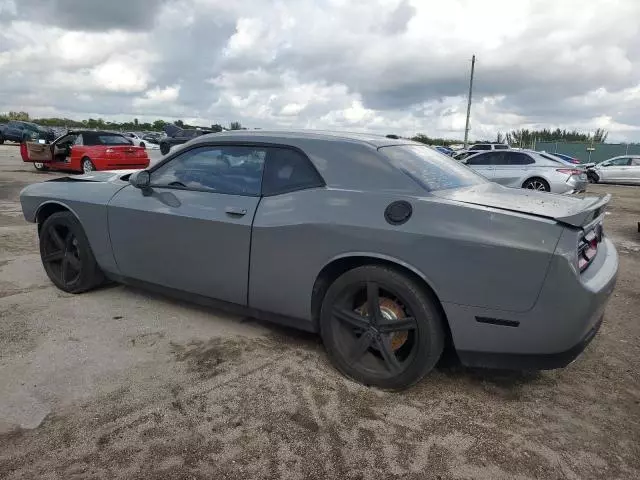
479,147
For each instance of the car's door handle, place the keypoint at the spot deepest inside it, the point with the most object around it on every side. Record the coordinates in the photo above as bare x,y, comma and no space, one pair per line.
236,211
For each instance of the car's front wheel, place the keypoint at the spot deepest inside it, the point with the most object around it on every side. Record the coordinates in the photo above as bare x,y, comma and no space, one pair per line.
142,145
593,177
41,167
66,254
381,328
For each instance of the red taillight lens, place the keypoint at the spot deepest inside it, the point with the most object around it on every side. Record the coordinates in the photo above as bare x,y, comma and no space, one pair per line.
23,152
589,247
569,171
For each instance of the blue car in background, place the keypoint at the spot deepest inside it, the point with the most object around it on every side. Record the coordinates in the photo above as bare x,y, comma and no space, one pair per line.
445,150
568,158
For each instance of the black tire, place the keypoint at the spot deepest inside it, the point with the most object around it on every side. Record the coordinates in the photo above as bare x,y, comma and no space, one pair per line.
1,139
381,363
87,165
41,167
164,148
593,177
537,183
66,254
143,145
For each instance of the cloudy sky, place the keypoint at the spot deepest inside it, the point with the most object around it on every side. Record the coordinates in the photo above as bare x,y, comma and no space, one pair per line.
389,66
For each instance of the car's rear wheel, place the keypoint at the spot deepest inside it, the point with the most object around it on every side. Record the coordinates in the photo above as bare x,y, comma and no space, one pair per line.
87,165
41,167
593,177
164,148
66,254
381,328
539,184
143,145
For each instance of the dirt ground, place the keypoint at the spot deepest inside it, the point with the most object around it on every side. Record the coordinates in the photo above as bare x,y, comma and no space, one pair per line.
120,383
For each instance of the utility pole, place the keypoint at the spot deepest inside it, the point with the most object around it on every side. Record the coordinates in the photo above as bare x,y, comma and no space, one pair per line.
466,128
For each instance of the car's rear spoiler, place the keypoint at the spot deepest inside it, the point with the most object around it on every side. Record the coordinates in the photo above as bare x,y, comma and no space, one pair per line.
591,209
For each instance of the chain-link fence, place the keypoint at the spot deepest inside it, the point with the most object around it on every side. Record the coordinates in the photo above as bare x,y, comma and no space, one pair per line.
589,152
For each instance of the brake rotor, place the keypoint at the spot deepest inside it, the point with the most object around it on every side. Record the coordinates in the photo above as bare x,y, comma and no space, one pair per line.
391,311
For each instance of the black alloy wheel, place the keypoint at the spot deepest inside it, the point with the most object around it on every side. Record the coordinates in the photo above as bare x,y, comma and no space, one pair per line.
61,254
66,254
381,328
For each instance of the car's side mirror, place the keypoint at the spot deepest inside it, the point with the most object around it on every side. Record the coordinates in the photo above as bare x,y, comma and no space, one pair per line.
141,179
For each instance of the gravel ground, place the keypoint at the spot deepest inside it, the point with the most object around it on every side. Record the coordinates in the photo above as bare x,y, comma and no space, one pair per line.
120,383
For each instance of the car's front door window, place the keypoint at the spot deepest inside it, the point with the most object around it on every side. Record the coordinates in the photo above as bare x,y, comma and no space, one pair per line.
617,162
229,169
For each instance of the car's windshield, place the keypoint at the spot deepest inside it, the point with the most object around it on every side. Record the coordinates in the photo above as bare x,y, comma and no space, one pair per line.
431,169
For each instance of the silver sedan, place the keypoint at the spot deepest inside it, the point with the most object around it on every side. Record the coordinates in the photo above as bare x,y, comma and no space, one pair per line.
529,169
624,169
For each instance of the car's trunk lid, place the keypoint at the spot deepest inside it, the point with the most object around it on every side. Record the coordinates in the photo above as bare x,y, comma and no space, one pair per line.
574,211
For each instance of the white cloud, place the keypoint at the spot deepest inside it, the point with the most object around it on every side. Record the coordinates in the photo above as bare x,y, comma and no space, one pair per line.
158,96
391,66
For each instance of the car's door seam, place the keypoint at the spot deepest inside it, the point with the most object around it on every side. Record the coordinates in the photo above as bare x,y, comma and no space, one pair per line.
108,205
255,212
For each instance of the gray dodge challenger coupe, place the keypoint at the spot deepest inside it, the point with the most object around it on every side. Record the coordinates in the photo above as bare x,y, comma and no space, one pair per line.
387,248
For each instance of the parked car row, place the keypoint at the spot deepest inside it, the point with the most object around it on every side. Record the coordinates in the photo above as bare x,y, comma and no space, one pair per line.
177,136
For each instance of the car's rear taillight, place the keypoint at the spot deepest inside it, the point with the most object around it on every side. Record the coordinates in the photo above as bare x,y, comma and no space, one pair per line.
23,152
588,247
569,171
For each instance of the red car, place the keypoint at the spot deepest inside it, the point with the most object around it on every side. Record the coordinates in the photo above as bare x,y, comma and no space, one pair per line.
85,151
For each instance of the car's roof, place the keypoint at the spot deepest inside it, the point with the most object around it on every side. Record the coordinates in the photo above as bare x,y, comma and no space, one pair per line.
277,136
95,132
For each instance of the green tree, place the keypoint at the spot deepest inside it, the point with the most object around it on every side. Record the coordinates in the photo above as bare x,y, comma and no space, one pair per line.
22,116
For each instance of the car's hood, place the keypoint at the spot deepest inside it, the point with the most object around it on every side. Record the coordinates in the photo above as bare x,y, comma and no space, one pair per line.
575,211
102,176
172,130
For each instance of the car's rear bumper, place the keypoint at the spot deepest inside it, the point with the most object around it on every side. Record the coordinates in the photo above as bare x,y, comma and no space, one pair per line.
577,185
529,361
565,318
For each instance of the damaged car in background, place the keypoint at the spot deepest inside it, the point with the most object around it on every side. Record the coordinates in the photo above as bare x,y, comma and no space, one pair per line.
177,136
529,169
385,247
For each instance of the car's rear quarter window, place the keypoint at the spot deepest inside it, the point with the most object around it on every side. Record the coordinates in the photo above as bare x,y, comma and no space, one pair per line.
431,169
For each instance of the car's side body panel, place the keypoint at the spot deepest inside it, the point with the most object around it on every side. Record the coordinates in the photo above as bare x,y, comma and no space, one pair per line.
441,241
